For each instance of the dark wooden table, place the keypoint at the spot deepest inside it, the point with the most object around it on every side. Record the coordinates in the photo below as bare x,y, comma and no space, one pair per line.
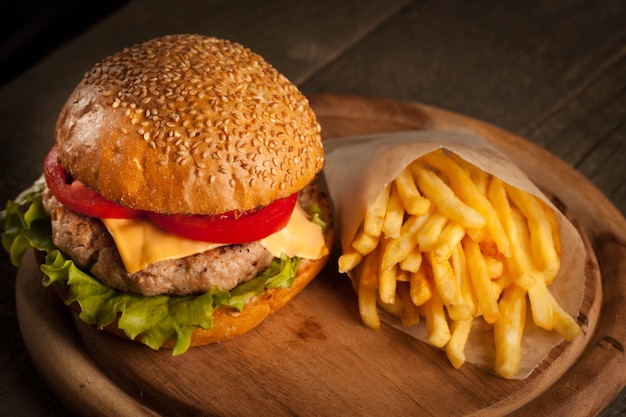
552,72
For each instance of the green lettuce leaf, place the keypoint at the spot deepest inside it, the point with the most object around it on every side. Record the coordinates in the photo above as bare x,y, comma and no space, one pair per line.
25,224
155,319
317,216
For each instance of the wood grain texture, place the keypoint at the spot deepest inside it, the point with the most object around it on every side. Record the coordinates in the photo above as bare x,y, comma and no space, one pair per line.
314,357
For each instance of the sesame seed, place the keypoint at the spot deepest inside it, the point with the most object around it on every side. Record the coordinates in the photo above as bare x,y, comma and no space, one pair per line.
221,107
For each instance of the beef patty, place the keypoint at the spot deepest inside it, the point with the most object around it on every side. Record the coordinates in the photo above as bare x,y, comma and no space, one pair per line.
87,241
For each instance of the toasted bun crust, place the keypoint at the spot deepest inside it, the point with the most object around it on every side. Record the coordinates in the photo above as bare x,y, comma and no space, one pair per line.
189,124
228,323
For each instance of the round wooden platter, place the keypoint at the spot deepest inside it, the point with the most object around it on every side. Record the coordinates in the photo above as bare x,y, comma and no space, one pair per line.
314,357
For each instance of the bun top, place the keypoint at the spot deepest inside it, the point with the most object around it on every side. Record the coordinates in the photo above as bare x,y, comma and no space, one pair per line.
189,124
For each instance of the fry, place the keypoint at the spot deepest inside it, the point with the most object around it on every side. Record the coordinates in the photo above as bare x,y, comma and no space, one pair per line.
375,214
367,307
455,348
420,287
461,273
368,271
386,280
414,203
349,259
556,238
436,323
541,237
445,199
448,289
428,235
554,225
364,243
395,308
564,324
480,177
508,331
398,249
469,193
495,267
518,263
541,303
394,214
481,283
412,261
450,236
387,285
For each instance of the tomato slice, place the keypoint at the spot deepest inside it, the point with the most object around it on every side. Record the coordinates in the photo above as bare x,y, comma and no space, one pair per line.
75,196
229,227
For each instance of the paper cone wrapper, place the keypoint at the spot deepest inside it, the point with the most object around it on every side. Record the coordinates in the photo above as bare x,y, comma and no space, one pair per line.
358,168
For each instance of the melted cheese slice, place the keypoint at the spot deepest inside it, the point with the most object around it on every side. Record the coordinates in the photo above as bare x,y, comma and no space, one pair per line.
301,237
141,242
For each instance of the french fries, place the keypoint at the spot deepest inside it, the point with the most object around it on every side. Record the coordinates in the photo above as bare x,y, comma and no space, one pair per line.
420,287
448,242
508,331
412,200
455,348
375,215
394,215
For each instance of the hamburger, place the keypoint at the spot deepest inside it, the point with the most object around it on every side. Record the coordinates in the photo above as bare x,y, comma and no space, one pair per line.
178,205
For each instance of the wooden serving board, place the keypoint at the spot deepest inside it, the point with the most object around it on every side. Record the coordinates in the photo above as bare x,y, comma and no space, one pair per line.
314,357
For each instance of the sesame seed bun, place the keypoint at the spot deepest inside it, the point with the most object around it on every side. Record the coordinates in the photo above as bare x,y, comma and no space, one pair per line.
189,124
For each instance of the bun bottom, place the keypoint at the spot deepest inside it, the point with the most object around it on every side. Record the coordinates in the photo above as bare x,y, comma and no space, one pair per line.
228,323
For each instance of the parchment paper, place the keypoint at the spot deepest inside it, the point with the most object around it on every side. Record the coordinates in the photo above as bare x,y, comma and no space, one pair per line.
359,167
